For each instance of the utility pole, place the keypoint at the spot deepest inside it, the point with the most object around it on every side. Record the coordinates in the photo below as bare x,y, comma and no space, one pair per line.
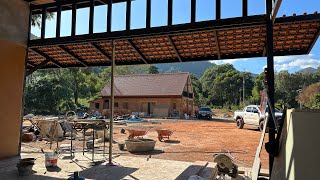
243,93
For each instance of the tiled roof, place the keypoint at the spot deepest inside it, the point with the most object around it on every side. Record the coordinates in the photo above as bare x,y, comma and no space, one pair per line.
148,85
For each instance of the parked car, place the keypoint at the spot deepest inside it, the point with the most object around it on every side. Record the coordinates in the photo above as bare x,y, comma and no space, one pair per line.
205,112
251,115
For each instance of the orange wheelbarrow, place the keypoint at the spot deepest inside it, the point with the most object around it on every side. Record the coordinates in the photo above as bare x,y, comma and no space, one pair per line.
137,133
164,133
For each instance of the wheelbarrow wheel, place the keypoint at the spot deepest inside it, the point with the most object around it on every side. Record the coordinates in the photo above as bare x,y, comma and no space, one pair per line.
160,138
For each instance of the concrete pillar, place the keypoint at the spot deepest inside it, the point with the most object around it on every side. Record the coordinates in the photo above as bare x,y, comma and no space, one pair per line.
14,17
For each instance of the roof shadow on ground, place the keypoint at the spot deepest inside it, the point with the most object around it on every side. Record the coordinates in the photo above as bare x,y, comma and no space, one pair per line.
218,120
103,171
154,152
194,169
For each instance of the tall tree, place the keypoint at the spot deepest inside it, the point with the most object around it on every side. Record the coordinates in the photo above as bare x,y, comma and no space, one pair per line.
153,70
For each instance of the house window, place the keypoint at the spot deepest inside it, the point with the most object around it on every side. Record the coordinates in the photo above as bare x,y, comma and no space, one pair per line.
116,104
125,105
106,104
97,105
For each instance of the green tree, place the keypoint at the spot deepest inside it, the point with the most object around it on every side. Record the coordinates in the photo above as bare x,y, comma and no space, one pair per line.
153,70
257,88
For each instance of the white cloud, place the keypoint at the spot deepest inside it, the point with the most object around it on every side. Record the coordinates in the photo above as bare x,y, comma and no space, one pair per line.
295,62
228,61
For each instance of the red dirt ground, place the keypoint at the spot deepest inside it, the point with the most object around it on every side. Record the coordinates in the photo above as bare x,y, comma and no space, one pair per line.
195,140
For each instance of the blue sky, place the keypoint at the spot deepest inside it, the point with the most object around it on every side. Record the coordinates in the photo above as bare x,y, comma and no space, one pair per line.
181,14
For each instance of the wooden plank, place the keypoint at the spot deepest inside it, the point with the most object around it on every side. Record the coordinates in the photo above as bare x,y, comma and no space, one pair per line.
275,10
137,51
217,44
47,57
175,48
39,66
74,56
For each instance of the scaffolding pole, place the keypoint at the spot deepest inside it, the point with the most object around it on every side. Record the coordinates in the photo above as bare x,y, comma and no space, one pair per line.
112,101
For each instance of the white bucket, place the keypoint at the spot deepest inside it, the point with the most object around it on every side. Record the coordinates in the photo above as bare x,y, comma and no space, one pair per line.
51,159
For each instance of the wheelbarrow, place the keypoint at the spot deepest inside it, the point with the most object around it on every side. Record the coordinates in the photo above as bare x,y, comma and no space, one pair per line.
164,133
137,133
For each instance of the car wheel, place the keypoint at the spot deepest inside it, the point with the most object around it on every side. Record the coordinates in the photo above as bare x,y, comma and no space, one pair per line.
261,124
240,123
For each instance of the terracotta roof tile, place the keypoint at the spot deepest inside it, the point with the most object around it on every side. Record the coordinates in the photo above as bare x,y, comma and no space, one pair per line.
148,85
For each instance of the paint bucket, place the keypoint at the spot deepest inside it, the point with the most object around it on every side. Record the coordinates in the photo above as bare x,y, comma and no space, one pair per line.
51,159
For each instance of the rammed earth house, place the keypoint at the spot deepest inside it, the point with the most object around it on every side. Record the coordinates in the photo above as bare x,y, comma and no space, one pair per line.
157,95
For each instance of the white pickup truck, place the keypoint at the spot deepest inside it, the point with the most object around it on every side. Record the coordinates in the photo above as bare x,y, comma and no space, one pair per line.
251,115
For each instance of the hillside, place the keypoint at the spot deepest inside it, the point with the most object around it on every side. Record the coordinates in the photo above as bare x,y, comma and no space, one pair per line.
196,68
309,70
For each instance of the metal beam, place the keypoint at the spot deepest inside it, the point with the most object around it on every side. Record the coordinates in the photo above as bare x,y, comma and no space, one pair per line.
101,51
218,9
74,18
39,66
47,57
58,26
109,17
137,51
74,56
43,23
91,16
270,69
148,14
128,15
170,9
193,10
314,41
163,30
275,9
112,101
31,64
175,48
244,8
217,44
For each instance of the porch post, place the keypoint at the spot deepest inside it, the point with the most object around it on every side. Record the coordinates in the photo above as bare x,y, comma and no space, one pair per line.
270,77
112,101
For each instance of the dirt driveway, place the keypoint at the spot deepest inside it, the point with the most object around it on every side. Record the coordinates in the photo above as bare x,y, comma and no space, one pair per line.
192,140
198,140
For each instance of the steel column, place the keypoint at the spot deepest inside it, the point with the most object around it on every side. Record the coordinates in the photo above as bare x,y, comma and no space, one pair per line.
148,14
244,8
74,18
112,101
218,9
91,16
193,10
170,8
109,16
58,26
128,15
43,23
270,77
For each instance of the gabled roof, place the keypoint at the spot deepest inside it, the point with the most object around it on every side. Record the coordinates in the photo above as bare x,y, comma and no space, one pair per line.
148,85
